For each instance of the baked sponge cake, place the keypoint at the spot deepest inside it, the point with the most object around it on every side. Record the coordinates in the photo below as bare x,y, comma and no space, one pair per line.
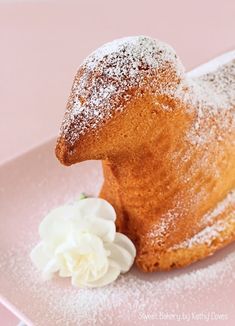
167,143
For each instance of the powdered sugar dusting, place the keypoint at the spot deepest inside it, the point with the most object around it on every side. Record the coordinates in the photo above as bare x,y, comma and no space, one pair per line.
220,208
158,231
212,65
129,299
108,77
206,236
214,228
213,96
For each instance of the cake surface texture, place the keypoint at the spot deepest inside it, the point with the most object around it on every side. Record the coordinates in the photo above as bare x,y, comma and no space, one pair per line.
166,139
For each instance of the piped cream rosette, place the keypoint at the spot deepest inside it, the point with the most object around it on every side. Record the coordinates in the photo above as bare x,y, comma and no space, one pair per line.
80,241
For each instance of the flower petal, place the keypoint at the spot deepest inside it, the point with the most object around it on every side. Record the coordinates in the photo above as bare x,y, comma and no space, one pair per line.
123,241
40,256
43,259
55,227
51,268
110,276
104,229
121,256
96,207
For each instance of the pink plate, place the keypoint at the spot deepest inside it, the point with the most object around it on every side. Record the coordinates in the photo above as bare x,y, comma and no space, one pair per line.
33,184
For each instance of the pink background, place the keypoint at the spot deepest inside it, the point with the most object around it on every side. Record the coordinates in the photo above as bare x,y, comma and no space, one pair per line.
42,44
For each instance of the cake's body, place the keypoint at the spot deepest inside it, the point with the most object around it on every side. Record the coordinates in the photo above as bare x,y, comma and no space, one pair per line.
167,141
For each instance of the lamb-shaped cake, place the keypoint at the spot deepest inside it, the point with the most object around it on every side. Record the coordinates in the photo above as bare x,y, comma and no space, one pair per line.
167,144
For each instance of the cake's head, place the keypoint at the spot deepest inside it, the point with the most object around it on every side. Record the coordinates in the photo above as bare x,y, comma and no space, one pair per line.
115,98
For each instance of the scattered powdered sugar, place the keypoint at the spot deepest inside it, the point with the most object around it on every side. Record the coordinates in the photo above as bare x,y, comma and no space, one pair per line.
108,77
206,236
211,232
220,208
210,221
158,231
129,299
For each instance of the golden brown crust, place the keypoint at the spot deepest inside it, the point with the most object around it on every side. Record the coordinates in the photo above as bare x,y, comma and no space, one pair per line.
168,150
161,202
217,234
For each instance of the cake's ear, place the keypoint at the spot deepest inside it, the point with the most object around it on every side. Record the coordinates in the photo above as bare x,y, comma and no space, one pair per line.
113,95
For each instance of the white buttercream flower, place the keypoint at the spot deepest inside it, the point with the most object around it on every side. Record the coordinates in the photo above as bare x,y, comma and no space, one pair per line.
80,241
